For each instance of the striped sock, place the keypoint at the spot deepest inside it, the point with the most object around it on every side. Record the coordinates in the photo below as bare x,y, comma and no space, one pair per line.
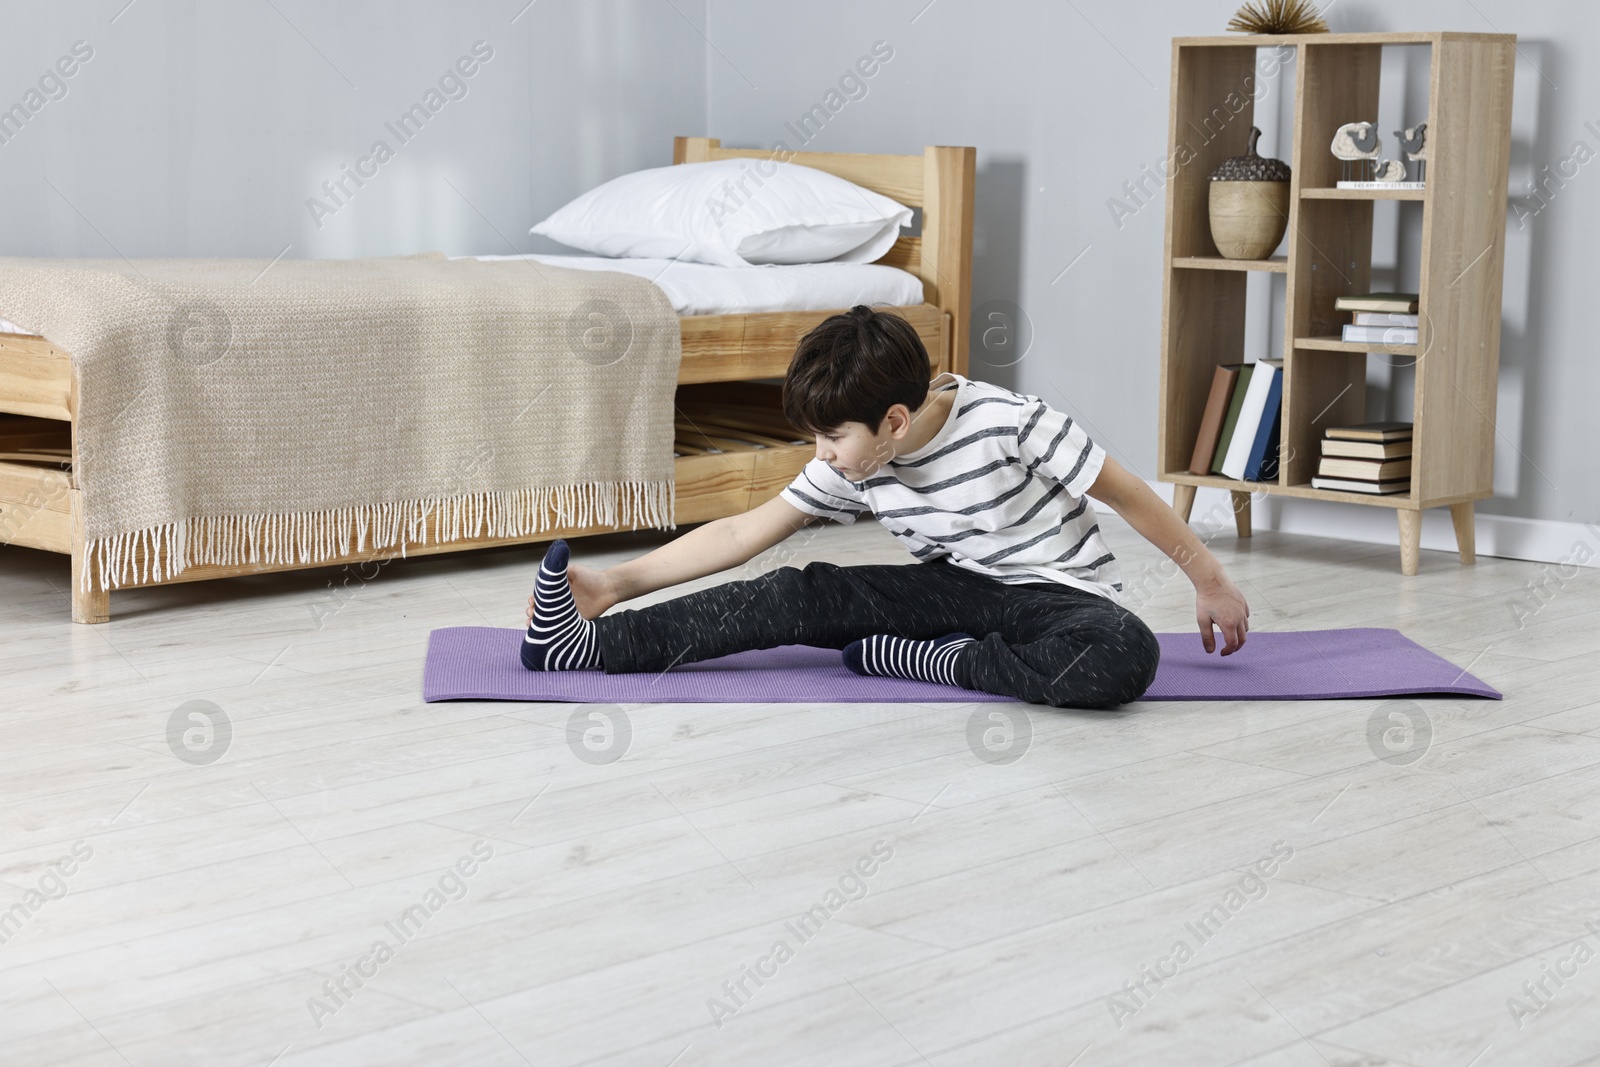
558,639
900,657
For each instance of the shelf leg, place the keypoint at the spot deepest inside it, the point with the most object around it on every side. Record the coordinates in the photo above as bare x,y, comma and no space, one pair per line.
94,605
1183,500
1410,539
1466,542
1241,513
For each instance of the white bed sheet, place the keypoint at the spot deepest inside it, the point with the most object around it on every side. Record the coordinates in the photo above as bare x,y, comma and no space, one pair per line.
704,289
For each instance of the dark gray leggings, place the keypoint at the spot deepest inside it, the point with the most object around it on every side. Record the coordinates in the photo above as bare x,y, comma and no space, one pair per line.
1041,643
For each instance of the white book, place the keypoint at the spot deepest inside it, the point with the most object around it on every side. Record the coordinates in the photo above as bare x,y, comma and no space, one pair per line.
1250,412
1384,318
1380,335
1380,185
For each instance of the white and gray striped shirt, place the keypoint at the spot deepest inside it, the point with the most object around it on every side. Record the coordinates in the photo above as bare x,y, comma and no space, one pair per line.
999,490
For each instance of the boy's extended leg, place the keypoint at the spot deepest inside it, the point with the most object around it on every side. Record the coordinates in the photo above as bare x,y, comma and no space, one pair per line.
821,604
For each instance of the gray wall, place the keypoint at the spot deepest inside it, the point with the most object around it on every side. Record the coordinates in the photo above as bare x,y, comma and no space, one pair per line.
1065,107
201,129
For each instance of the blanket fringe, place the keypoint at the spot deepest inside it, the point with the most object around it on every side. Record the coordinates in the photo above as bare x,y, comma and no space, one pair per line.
160,553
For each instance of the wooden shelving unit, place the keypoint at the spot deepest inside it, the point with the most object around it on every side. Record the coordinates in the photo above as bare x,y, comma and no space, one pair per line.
1329,246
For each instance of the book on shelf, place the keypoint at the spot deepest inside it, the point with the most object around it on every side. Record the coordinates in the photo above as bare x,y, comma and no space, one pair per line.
1382,335
1241,386
1383,318
1366,470
1252,412
1332,446
1371,431
1262,466
1401,303
1402,485
1205,442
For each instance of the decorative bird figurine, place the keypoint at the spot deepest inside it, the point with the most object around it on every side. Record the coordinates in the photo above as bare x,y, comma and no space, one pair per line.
1414,146
1353,142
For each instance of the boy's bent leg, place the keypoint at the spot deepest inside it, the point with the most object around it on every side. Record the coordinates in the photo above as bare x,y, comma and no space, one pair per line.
1065,648
821,604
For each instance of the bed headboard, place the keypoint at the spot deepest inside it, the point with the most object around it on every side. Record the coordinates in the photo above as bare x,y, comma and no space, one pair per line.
939,182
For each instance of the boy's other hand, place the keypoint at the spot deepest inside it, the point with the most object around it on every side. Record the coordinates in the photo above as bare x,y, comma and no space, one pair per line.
592,591
1223,606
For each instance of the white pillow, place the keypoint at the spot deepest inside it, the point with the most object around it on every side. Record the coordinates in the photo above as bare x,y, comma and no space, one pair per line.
732,213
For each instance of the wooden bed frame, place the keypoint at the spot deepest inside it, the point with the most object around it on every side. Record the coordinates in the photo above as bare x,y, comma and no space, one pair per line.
735,449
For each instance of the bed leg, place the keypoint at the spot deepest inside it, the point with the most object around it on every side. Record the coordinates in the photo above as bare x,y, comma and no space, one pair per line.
94,604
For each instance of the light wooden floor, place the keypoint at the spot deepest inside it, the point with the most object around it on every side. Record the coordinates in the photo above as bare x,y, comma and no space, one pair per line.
216,899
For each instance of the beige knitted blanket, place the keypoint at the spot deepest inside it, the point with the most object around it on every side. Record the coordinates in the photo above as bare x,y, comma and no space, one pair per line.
246,411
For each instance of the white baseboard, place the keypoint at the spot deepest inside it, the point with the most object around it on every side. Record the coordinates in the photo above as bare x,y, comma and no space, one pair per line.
1501,536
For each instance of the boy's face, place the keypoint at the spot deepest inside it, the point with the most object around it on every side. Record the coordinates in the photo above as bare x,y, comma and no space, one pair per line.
856,452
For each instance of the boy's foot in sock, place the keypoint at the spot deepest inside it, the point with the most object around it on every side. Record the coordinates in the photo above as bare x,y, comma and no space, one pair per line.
887,656
558,639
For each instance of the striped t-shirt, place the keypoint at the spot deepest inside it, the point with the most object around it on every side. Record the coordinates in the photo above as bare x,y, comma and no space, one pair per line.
999,490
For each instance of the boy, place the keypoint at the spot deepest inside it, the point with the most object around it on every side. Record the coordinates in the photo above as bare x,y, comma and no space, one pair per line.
1014,592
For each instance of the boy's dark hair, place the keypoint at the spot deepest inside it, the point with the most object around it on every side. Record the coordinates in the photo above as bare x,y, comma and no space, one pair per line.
854,367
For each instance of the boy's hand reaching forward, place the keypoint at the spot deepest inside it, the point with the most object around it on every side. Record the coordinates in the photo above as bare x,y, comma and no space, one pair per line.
1219,603
592,590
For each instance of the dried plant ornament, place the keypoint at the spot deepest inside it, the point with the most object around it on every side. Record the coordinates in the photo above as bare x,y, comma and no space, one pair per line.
1278,17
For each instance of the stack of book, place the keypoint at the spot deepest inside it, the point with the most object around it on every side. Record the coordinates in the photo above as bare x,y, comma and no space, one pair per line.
1240,428
1374,457
1380,318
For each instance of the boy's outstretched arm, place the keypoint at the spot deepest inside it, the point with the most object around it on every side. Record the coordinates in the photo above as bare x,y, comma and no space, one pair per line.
1217,601
707,549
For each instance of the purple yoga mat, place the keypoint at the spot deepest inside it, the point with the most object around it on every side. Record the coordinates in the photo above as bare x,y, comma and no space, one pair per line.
481,663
